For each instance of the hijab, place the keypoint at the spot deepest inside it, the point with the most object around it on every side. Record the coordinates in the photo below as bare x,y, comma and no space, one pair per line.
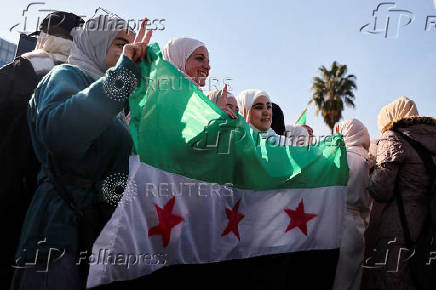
91,43
50,50
399,109
246,99
356,136
179,49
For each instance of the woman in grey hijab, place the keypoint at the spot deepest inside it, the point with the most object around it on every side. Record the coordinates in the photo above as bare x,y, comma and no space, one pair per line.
83,148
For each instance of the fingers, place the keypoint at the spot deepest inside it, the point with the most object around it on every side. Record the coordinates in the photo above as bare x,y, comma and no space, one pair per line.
230,113
225,91
148,36
141,32
135,51
143,50
222,101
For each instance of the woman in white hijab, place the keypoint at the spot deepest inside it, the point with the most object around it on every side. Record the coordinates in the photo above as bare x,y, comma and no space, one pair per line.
191,57
357,141
256,107
80,143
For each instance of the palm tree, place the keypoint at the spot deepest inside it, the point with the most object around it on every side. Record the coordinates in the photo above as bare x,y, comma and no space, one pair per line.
331,90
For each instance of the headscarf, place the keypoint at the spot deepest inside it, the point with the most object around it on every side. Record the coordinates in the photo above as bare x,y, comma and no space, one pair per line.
278,119
92,42
215,95
246,99
58,48
356,136
399,109
50,50
179,49
296,135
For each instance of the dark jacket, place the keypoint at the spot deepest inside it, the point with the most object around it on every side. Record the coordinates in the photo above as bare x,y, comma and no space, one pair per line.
18,164
397,161
74,119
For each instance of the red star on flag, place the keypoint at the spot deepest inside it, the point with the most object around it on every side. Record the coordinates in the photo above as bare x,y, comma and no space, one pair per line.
167,220
299,218
234,218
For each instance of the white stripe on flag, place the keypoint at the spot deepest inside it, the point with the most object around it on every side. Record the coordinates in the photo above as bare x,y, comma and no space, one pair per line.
206,210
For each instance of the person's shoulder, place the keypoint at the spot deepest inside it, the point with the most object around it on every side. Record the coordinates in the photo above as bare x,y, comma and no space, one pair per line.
14,65
62,80
69,70
65,75
390,136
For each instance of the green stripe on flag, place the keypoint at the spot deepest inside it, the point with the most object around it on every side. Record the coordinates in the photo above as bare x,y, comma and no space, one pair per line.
176,128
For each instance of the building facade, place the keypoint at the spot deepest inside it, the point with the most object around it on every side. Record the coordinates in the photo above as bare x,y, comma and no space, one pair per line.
7,52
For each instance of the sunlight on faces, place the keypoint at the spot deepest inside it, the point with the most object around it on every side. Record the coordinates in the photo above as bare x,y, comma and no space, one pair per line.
261,114
232,104
116,48
197,65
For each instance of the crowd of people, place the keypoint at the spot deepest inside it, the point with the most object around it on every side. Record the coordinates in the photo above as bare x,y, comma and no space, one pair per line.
72,94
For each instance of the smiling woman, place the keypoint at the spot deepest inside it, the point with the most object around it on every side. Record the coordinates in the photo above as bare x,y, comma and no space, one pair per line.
256,107
191,57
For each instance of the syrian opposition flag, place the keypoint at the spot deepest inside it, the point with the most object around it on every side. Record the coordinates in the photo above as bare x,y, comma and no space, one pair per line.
204,188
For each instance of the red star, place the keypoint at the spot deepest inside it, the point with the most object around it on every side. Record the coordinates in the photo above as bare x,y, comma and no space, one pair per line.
166,221
234,218
299,218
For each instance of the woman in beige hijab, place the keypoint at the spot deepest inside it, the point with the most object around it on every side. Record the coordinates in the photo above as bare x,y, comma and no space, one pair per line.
357,141
395,111
399,172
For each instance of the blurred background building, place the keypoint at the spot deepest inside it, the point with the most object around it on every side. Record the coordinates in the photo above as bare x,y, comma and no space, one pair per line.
7,51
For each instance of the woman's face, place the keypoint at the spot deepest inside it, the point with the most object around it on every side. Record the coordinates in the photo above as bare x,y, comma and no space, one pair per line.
116,48
261,114
197,65
232,104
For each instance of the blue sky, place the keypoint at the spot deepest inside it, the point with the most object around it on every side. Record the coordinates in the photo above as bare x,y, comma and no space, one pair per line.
279,45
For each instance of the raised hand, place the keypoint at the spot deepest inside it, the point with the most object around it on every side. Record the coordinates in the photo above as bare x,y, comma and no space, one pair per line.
136,51
222,104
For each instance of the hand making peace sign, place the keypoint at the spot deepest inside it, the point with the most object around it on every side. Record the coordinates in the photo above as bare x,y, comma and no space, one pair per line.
136,51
